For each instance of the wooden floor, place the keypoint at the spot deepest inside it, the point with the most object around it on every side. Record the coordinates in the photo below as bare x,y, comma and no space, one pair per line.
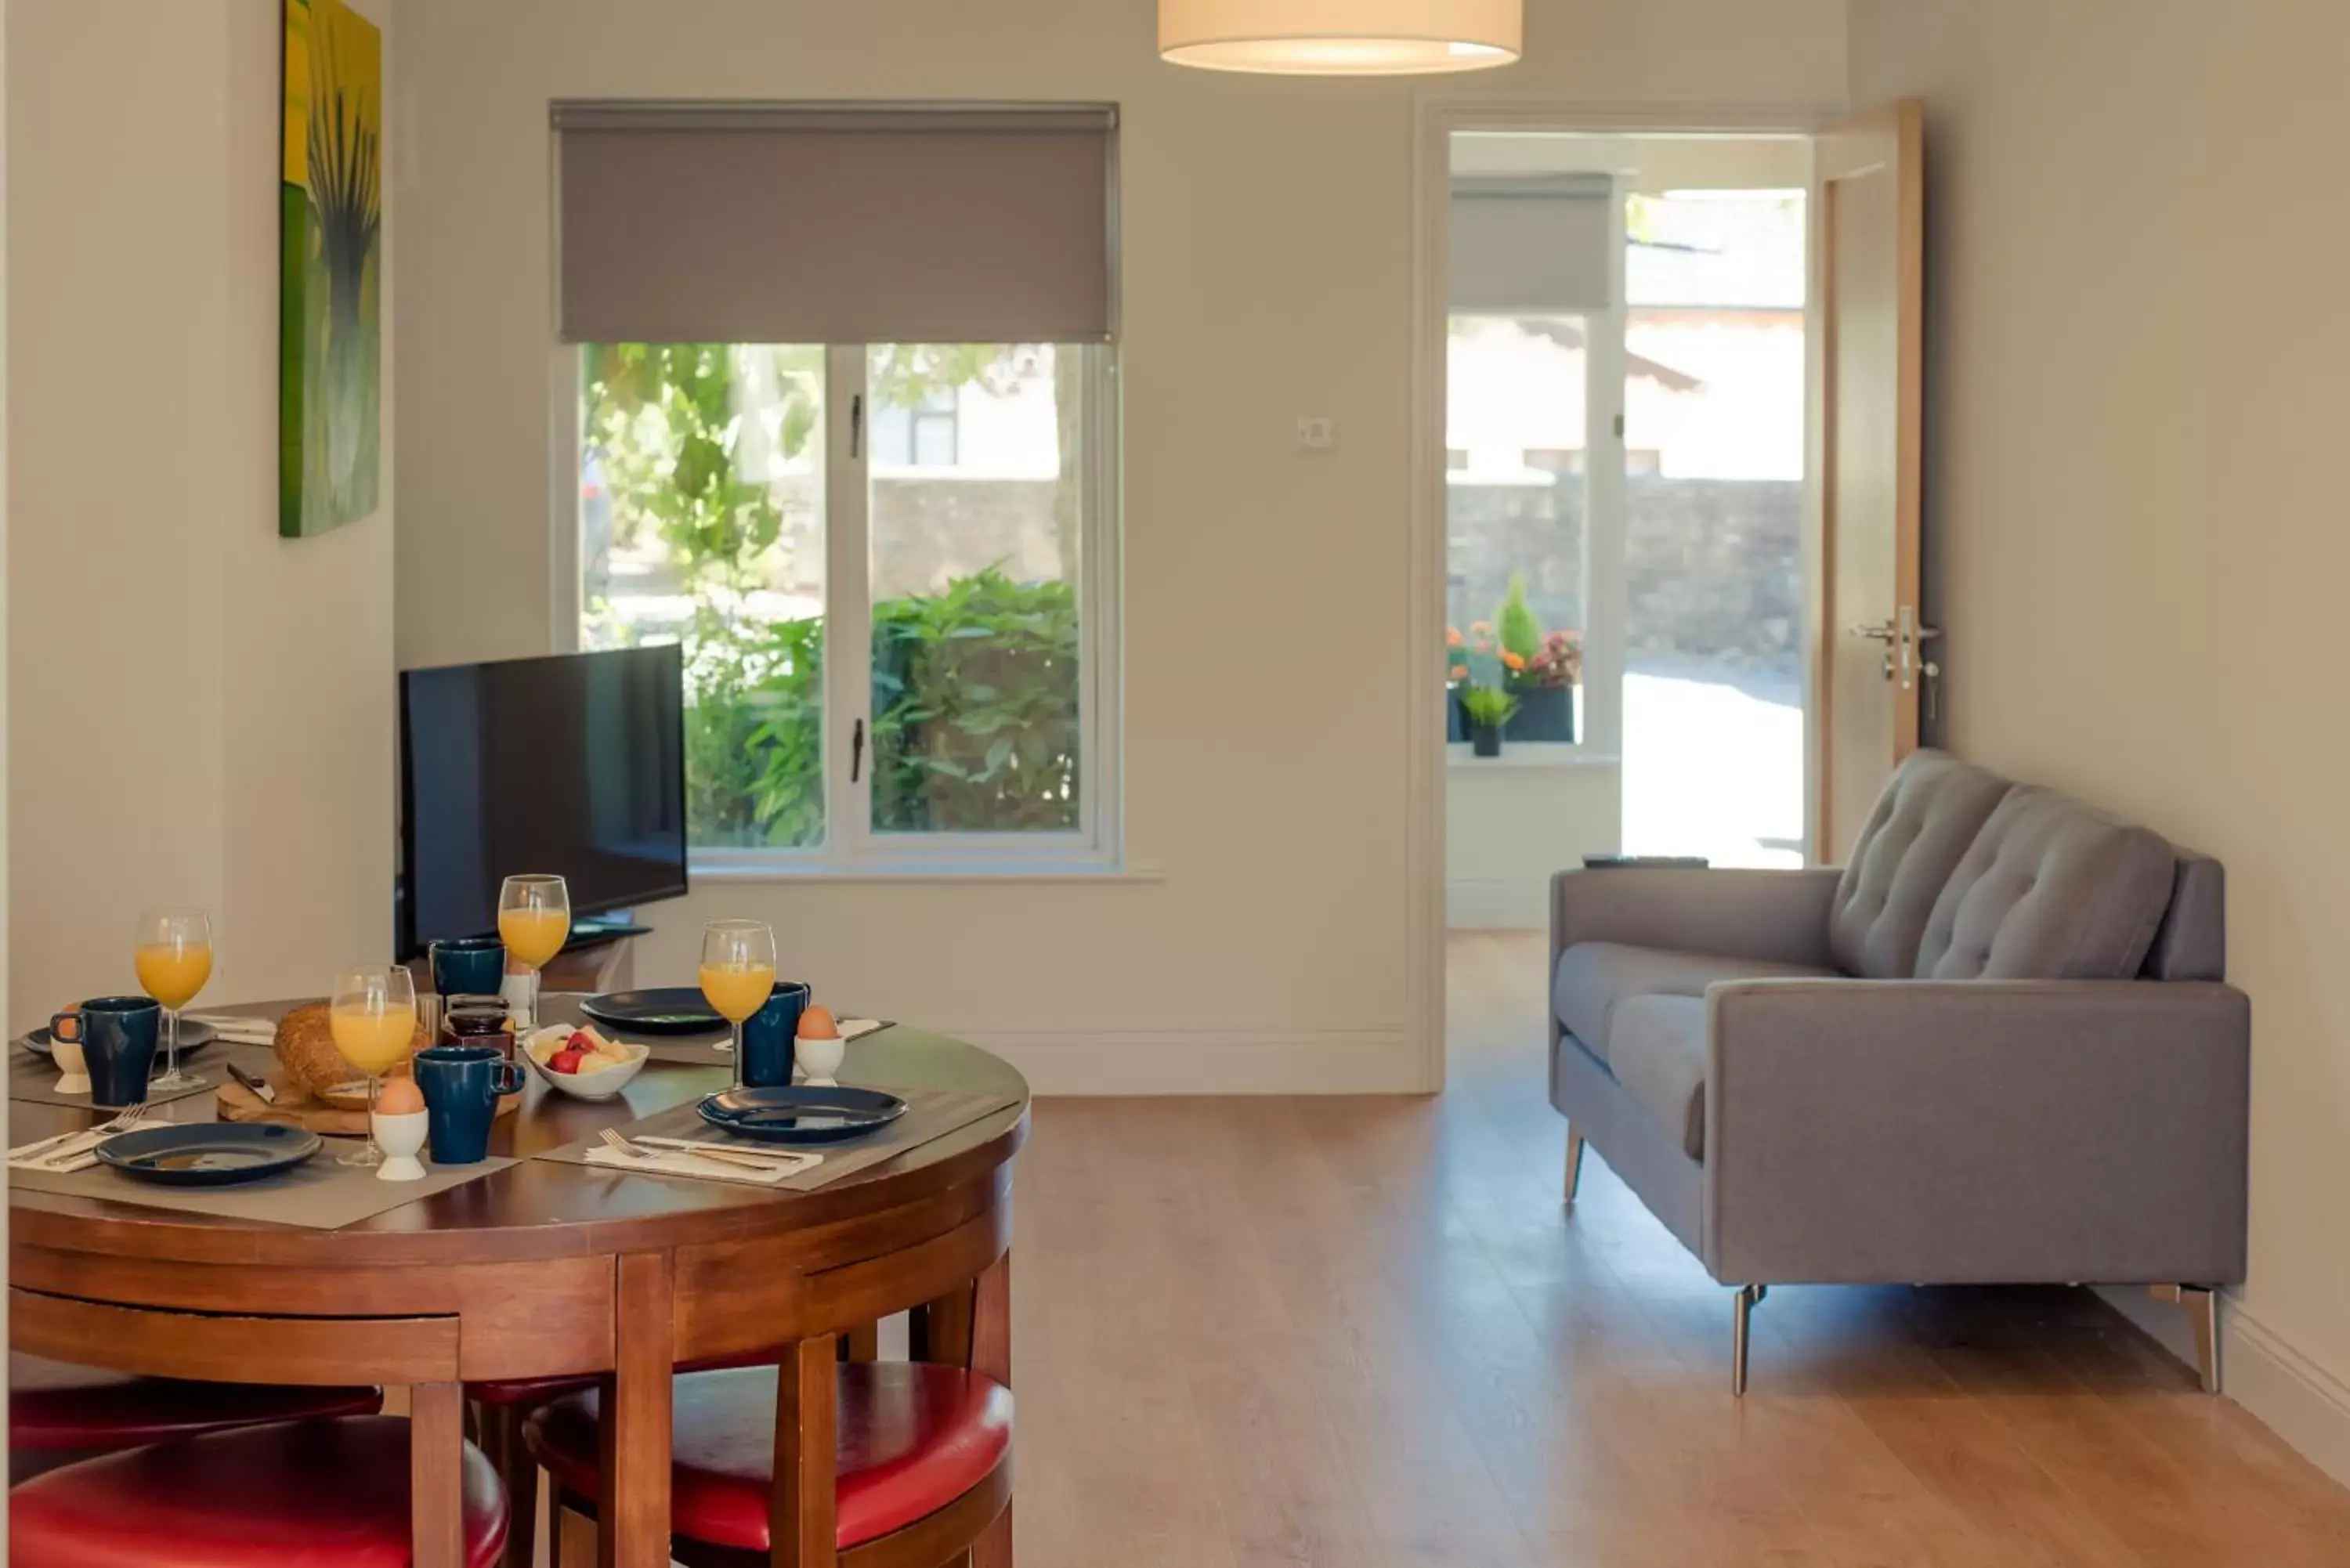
1362,1334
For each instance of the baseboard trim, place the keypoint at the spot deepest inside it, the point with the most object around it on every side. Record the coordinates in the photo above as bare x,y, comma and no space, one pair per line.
1211,1061
1496,904
2290,1394
2284,1390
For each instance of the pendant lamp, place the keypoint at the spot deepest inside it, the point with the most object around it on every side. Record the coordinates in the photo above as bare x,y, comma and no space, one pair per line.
1341,37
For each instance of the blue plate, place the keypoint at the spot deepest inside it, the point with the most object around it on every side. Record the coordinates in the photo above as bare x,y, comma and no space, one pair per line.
193,1037
208,1154
802,1114
663,1010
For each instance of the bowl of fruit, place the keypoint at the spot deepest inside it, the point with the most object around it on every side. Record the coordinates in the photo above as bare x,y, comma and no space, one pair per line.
581,1063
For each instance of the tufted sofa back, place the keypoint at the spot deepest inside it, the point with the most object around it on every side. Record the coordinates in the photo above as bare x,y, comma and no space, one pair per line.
1960,874
1915,836
2050,889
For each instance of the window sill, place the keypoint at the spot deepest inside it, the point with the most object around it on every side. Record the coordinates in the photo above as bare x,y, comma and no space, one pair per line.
1530,754
784,870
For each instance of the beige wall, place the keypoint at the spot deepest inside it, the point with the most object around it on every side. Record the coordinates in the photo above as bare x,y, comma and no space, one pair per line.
2138,400
1267,247
198,711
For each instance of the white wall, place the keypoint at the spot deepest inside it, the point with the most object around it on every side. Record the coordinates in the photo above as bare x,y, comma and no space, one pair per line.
1267,246
199,712
2137,397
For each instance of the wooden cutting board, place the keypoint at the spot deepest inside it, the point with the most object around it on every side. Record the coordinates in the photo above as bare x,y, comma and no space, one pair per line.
329,1115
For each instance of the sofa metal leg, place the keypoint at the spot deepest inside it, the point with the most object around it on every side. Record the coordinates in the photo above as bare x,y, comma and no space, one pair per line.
1749,1297
2202,1304
1574,1162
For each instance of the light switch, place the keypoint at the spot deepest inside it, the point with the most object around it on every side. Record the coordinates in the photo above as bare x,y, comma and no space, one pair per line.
1316,433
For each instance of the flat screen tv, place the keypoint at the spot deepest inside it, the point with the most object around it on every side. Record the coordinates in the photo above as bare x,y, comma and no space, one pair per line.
574,763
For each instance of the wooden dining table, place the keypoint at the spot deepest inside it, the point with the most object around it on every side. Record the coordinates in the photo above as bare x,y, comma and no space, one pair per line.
541,1269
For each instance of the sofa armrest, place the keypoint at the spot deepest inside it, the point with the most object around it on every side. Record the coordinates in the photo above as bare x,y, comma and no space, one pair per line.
1780,915
1977,1131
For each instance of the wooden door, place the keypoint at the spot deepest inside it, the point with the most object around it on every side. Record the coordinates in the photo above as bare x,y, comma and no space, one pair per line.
1872,667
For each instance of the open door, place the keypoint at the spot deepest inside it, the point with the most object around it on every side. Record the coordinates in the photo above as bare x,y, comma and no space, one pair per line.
1873,671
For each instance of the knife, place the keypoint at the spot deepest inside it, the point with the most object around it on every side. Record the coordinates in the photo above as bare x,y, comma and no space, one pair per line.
261,1090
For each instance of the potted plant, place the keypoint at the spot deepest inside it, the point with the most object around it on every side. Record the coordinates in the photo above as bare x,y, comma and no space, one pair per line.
1540,668
1486,710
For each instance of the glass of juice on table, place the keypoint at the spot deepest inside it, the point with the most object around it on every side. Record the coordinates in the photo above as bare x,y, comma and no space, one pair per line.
372,1016
533,921
174,958
738,972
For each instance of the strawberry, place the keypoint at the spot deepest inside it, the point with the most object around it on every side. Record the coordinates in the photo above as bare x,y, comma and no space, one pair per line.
565,1060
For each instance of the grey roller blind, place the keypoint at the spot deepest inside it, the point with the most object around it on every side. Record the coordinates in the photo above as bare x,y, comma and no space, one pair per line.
1524,245
836,225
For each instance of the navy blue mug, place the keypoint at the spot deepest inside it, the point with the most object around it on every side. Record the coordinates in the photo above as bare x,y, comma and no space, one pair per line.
469,966
767,1036
117,1041
460,1085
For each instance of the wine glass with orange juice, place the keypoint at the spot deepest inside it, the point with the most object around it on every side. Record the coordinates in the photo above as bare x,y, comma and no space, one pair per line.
738,973
534,921
174,958
372,1016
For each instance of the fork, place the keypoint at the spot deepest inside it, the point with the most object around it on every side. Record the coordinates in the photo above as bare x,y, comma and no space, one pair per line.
71,1147
619,1145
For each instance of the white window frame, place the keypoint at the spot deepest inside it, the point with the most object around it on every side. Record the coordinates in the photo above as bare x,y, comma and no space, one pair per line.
1605,500
851,847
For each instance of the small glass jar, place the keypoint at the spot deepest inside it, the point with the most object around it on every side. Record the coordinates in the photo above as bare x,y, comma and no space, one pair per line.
479,1021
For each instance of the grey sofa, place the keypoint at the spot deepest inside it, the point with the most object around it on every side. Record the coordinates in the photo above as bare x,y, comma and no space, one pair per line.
1995,1047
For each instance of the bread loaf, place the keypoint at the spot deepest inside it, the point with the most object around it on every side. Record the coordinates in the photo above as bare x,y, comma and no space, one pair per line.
306,1048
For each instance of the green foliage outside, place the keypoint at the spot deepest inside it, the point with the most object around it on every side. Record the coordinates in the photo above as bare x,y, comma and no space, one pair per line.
975,693
1519,629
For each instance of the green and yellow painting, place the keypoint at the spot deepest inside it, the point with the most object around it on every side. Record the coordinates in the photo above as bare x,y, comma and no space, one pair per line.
330,332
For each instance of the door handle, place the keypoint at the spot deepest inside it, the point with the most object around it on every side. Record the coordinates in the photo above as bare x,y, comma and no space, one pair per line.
856,751
1905,640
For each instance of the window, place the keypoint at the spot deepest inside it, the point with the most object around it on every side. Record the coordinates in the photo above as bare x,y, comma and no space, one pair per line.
870,493
894,645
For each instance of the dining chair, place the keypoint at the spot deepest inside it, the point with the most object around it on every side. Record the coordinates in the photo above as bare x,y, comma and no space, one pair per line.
59,1412
502,1405
312,1493
825,1462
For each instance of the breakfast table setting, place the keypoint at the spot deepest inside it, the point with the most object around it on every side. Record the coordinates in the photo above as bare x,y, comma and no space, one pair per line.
407,1183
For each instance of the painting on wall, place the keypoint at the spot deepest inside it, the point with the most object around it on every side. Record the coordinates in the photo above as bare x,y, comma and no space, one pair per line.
331,334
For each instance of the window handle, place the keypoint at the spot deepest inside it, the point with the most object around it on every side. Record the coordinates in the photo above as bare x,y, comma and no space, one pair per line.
856,751
857,425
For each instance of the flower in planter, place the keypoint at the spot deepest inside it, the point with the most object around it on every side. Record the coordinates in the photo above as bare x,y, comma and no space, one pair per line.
1452,638
1560,663
1460,673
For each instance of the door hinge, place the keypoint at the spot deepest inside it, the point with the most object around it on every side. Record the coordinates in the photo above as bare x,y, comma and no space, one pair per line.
1619,427
857,425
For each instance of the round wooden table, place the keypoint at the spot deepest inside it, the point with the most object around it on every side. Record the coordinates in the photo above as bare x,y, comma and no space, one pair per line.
546,1269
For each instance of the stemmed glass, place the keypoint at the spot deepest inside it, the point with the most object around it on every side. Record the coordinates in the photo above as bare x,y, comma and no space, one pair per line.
372,1016
738,973
534,921
174,958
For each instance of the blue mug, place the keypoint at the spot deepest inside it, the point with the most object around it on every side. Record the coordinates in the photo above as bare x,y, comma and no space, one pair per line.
118,1043
767,1036
462,1084
469,966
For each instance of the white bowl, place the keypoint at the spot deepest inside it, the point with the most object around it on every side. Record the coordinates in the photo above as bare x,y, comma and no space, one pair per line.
599,1085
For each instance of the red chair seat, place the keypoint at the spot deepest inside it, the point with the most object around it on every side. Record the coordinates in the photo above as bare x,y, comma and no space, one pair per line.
57,1407
913,1438
300,1494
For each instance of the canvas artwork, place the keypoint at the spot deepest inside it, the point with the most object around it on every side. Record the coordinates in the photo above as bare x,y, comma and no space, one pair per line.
330,344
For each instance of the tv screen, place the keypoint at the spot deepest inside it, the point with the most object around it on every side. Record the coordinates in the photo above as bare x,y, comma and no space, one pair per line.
573,764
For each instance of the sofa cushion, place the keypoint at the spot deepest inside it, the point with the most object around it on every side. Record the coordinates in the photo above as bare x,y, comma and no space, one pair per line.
2050,889
1660,1058
1594,979
1915,836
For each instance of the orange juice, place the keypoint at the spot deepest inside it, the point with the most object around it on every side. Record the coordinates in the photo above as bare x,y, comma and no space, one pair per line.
534,936
172,973
737,990
373,1038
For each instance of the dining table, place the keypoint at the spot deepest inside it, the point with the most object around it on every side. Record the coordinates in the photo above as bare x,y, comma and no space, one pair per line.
543,1268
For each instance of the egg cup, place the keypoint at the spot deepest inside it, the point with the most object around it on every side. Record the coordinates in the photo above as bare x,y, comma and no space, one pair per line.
73,1071
819,1057
401,1136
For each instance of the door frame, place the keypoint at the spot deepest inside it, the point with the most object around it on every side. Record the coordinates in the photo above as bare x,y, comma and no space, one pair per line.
1435,119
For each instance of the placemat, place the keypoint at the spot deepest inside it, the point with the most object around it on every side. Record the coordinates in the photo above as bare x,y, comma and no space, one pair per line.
319,1194
930,1114
33,1078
